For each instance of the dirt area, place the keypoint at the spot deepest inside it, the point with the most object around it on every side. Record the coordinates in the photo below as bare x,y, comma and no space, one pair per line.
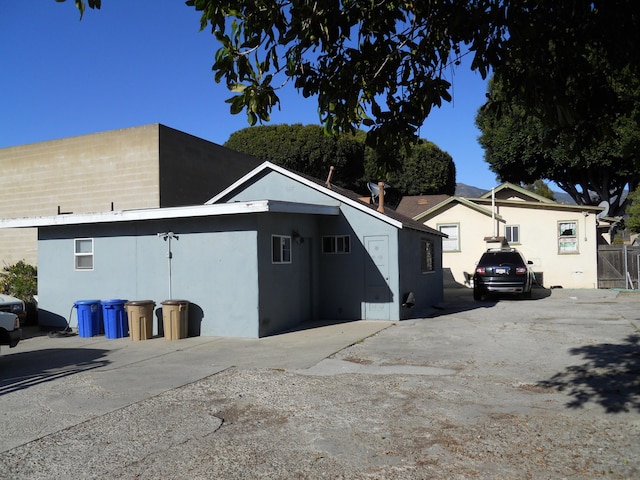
506,389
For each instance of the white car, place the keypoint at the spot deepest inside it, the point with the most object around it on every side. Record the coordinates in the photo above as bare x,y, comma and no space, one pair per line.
10,332
12,305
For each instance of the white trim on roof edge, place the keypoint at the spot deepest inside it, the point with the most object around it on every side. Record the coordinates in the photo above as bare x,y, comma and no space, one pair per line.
331,193
233,208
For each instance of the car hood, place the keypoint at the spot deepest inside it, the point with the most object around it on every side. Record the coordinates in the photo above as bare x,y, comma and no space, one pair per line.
9,299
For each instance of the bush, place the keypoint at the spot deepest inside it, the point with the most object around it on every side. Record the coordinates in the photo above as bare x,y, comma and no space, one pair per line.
21,281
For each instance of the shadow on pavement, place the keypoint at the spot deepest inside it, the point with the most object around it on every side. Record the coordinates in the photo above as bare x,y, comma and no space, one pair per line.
23,370
610,376
460,299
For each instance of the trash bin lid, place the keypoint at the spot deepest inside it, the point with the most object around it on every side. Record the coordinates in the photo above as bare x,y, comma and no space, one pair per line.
115,301
140,303
175,302
85,302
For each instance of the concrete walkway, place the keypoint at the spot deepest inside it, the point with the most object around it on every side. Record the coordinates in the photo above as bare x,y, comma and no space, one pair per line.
48,384
503,388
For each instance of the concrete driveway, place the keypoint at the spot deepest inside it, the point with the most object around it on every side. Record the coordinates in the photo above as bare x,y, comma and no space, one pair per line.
504,388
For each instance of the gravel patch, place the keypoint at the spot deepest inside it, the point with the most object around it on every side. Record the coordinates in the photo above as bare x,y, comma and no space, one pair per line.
505,392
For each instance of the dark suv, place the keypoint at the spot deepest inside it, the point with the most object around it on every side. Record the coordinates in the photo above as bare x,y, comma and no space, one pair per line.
502,271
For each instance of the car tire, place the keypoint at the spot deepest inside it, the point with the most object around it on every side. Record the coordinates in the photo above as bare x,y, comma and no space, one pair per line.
477,294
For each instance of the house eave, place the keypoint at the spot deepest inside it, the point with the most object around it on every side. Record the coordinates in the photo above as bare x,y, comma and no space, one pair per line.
461,200
327,191
233,208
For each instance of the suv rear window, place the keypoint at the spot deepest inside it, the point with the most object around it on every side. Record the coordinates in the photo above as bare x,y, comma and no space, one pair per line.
497,258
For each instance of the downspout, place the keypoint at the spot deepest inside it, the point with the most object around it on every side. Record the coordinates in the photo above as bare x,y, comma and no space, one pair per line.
167,237
493,213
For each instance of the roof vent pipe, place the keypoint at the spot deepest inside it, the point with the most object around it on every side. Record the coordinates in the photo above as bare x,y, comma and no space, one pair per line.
328,182
381,197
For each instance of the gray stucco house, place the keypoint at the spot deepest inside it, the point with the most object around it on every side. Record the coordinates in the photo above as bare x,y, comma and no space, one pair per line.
273,250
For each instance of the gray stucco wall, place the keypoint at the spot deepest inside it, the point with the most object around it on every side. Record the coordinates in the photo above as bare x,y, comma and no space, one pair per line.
214,266
288,292
350,286
427,287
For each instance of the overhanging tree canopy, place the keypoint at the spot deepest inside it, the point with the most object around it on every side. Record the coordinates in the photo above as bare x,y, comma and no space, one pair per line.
382,64
423,169
521,149
306,149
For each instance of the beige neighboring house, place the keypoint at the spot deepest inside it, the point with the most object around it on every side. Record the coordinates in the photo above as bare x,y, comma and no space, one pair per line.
131,168
561,240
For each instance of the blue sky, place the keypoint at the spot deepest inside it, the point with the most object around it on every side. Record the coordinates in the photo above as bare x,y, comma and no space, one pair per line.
138,62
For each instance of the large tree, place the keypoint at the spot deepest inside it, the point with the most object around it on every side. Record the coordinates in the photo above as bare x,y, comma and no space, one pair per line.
305,149
384,64
520,148
422,169
633,211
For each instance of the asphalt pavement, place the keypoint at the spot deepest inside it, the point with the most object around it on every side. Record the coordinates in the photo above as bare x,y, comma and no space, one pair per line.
66,400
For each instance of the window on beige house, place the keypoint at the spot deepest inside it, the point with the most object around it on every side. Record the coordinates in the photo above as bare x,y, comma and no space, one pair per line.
512,233
452,243
568,237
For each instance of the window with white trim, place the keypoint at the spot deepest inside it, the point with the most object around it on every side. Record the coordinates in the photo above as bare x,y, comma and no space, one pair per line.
512,233
280,249
427,257
568,237
83,253
452,243
336,244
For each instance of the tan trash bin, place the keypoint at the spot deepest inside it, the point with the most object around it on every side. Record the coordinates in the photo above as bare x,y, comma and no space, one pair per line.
140,313
175,319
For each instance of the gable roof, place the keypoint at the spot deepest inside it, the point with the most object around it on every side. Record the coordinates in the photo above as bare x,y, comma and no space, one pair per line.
413,205
341,195
506,186
235,208
463,201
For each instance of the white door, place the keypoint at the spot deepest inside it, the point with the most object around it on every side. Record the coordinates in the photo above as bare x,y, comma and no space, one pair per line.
377,292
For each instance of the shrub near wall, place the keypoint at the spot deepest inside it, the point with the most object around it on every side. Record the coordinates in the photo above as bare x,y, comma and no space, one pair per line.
20,280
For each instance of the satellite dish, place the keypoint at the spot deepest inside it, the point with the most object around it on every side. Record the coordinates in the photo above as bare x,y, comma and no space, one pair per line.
604,204
375,189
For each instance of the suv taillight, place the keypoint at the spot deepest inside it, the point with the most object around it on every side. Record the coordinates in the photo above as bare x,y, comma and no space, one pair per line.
480,270
521,270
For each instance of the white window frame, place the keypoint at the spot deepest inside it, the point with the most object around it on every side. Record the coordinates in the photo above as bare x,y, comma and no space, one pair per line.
568,237
446,242
280,249
340,244
508,233
79,255
427,255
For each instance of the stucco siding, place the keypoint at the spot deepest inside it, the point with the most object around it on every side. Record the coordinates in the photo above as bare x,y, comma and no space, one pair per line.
213,266
539,243
473,228
426,287
287,291
538,229
359,275
275,186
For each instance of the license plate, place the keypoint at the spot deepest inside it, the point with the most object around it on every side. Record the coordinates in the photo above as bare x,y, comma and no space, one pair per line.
501,271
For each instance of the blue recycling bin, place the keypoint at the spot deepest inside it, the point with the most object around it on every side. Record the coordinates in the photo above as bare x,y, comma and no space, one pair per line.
89,317
114,315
